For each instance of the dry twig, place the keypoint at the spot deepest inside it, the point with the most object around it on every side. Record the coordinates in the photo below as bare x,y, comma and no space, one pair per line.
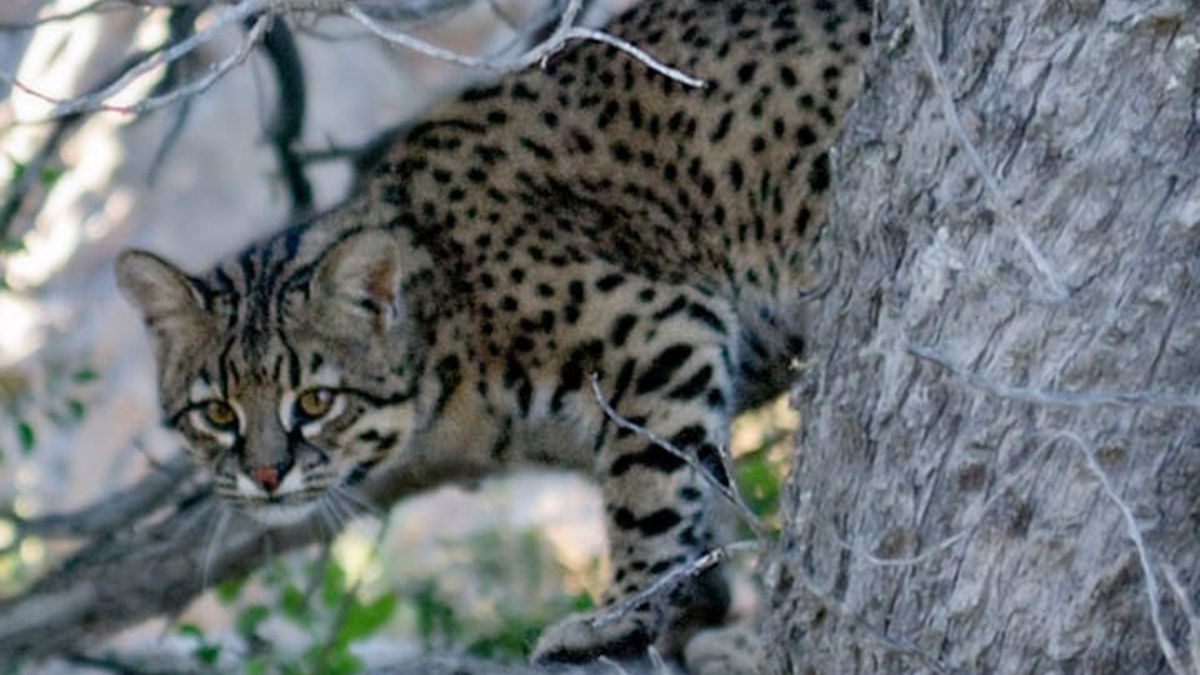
729,492
262,11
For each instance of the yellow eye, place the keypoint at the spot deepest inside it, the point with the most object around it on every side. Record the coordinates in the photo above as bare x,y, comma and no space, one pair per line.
314,403
219,414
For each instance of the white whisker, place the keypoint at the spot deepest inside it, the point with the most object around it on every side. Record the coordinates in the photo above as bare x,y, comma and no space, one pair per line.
335,510
214,539
358,499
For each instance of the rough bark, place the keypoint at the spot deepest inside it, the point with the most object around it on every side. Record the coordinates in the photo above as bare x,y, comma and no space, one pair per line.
999,463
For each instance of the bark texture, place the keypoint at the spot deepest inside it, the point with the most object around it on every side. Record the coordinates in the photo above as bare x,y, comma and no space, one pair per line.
999,463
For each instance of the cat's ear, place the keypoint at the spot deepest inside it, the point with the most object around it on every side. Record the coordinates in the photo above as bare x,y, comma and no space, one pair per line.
168,301
358,281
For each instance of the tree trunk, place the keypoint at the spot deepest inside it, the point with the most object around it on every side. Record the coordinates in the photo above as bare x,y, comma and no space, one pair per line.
999,463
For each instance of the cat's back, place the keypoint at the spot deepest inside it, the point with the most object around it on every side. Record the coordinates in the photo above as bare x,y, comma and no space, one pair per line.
598,154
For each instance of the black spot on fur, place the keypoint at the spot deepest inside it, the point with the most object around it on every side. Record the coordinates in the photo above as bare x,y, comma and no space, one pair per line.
662,368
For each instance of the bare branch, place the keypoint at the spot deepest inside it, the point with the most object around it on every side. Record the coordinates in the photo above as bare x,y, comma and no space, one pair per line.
535,55
365,15
579,33
564,33
94,7
181,23
99,591
253,37
97,100
729,492
111,513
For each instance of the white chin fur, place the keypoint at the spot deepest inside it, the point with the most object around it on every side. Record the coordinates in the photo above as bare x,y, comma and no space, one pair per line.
281,514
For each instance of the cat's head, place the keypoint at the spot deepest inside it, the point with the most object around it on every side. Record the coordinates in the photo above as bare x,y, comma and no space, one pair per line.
286,380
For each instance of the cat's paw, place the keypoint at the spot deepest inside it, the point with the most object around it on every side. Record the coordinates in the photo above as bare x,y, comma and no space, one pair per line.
581,638
731,650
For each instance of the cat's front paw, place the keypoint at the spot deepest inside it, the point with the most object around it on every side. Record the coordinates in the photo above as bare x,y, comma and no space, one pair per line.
581,638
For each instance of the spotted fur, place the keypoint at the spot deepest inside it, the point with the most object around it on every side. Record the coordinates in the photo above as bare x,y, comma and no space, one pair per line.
592,217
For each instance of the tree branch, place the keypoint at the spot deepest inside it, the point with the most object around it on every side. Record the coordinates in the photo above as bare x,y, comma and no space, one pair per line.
107,586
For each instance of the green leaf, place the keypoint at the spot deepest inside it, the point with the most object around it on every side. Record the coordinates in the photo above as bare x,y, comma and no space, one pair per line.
333,584
435,616
191,630
51,174
228,591
11,244
26,436
759,482
364,619
18,171
76,408
341,662
294,605
256,666
207,654
582,602
251,618
85,374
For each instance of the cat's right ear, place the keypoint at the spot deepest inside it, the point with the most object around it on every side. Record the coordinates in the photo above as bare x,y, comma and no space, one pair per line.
168,301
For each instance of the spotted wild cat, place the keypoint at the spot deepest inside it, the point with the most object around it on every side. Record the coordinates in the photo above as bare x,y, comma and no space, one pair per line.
590,217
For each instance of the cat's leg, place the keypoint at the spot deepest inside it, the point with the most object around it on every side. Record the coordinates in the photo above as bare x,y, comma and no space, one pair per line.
659,509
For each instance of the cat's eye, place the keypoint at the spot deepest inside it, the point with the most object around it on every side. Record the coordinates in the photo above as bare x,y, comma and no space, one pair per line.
220,414
314,403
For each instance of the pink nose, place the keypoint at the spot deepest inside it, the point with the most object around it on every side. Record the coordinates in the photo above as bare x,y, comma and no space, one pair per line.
266,476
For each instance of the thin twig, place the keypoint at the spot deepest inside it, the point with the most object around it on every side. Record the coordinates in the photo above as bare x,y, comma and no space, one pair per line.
564,32
1055,398
181,24
672,577
580,33
1139,544
992,185
729,492
534,55
97,100
202,84
539,54
96,6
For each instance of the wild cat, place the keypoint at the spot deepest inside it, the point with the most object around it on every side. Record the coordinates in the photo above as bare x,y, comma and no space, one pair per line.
592,218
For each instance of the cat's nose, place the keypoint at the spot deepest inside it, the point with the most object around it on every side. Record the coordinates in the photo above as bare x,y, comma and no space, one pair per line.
268,476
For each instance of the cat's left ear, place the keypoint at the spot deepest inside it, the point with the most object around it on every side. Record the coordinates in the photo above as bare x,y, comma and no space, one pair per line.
163,294
359,280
